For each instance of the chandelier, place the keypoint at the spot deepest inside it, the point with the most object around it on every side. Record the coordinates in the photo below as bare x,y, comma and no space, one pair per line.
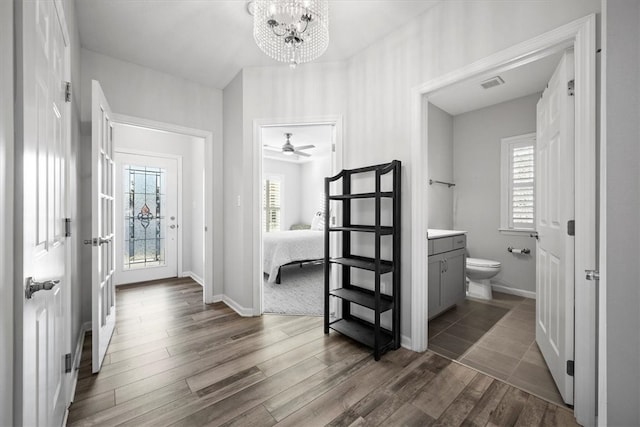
293,31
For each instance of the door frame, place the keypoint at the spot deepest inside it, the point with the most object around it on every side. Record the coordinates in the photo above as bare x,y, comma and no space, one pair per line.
212,191
581,34
258,151
6,215
179,209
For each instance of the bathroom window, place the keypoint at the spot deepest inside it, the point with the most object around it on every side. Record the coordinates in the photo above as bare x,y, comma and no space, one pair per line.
272,203
518,183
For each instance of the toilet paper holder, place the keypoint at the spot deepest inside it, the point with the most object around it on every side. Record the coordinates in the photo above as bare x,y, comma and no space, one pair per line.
525,251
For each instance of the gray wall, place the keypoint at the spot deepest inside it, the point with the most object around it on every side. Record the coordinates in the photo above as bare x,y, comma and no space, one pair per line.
233,182
440,158
291,184
313,174
476,159
620,262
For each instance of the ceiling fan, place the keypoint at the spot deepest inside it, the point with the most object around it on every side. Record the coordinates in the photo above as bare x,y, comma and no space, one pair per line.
288,148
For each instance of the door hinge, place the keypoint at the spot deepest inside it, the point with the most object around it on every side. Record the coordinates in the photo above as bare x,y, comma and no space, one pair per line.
67,91
67,227
67,363
571,227
570,87
570,367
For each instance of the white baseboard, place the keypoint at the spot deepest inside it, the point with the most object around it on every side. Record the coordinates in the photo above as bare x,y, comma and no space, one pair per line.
217,298
405,342
513,291
199,280
242,311
75,365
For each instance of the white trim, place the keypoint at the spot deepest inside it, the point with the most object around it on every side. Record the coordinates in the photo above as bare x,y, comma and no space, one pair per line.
212,186
499,287
217,298
405,341
581,35
77,356
242,311
199,280
6,215
336,165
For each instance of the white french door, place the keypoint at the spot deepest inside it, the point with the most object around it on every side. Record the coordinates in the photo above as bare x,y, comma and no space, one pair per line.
146,218
554,209
43,177
103,296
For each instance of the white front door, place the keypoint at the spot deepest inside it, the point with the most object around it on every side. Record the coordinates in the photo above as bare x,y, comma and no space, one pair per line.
103,291
46,338
554,209
146,218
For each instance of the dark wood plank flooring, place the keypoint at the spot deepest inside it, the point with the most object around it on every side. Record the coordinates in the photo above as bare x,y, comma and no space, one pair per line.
176,361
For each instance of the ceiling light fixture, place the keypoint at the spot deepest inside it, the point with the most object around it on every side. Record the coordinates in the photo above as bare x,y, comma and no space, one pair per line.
292,31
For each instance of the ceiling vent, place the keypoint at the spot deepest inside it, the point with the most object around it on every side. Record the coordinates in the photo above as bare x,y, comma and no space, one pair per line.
492,82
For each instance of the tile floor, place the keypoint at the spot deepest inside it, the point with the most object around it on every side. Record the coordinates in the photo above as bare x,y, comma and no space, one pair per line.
496,338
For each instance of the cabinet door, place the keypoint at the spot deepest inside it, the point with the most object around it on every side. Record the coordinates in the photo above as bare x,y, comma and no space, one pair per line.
435,279
453,282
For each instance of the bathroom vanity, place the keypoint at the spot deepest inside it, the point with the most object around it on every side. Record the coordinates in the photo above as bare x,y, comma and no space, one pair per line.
447,284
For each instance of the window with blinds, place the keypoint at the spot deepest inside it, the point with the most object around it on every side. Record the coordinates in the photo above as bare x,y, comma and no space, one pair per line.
518,183
271,196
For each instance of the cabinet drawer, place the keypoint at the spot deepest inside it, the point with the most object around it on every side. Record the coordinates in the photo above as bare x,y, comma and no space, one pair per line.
459,242
444,244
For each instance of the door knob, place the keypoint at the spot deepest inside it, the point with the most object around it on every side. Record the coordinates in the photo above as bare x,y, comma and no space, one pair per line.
592,275
33,286
534,234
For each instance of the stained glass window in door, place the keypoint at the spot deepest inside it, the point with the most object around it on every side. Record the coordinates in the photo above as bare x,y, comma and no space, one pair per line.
144,221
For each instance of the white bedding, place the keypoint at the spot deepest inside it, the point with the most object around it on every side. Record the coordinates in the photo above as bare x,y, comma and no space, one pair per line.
283,247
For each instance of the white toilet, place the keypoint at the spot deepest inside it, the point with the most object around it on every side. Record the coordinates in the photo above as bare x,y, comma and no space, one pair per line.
479,272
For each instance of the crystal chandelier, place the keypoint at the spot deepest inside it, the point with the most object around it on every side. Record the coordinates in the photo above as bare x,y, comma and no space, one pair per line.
293,31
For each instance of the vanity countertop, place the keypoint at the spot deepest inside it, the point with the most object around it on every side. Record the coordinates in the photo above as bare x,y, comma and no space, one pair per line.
434,233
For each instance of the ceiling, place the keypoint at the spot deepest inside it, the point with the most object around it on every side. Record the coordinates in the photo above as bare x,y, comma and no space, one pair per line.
518,82
209,41
318,135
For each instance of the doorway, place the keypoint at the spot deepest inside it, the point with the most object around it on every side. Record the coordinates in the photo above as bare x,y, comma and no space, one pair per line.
300,220
160,203
580,35
296,159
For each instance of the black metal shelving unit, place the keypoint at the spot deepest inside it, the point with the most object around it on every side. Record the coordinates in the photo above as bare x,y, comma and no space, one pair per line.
371,334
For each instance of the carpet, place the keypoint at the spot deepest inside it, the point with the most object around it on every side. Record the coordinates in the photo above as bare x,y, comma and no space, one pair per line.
300,293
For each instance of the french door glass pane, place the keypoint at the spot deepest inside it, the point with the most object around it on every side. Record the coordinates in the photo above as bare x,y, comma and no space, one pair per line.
144,221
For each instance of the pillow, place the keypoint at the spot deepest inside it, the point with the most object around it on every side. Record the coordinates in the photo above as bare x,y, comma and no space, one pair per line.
317,223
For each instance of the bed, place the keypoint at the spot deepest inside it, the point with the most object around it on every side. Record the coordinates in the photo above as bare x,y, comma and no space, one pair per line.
291,247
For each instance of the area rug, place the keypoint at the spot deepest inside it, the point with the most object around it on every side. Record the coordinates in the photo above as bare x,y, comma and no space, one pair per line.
300,293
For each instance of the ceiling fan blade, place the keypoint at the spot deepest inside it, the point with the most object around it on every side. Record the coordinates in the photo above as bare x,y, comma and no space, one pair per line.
272,148
300,153
304,147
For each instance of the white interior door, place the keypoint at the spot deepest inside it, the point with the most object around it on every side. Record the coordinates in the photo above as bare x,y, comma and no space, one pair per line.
147,218
44,179
102,225
554,208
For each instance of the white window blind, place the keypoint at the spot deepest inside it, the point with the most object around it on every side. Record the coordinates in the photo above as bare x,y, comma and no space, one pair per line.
518,183
271,196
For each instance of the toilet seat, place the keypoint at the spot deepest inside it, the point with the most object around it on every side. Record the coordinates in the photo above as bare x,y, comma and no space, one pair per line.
478,262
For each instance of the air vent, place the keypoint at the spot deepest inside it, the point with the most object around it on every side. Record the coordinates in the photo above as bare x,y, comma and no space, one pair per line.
492,82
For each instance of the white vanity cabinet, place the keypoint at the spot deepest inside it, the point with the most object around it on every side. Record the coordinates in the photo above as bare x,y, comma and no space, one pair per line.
447,284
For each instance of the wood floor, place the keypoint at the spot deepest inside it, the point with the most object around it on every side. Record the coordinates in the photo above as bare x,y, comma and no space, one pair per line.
176,361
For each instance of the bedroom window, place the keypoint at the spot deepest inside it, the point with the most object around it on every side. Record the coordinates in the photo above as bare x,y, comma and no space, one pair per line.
271,196
518,183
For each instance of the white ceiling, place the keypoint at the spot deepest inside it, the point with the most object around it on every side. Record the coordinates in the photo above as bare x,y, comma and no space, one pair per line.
209,41
518,82
318,135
